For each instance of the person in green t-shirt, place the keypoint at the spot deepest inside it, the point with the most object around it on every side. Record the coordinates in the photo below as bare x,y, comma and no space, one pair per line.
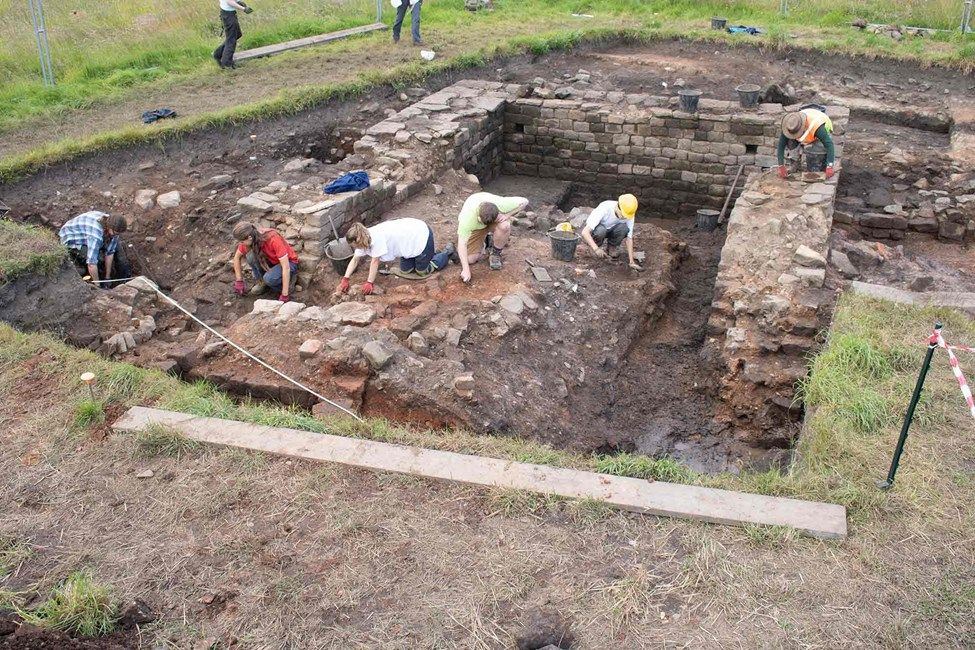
484,224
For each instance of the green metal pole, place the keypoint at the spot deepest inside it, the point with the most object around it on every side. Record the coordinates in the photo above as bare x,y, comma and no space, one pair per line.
909,416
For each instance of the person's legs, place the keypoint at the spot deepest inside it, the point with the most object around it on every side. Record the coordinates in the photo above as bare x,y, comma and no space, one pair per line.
500,232
415,22
615,237
599,234
79,256
120,264
618,233
272,279
408,264
475,244
400,15
232,32
430,260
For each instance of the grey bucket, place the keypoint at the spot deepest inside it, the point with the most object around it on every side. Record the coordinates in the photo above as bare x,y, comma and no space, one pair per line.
339,253
563,244
748,95
718,23
688,100
815,155
707,220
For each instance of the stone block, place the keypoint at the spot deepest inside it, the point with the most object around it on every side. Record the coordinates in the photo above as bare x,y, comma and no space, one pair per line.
310,348
807,257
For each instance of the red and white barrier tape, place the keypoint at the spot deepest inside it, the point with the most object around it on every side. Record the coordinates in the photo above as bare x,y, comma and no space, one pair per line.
956,369
961,348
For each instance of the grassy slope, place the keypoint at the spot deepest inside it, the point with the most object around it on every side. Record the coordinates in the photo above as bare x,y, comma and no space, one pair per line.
806,592
27,249
874,346
95,71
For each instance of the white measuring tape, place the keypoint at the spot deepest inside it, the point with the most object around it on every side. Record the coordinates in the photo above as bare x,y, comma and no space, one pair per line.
152,285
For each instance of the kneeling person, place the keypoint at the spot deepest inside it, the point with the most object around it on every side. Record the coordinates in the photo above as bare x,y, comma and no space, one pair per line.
92,240
484,225
612,222
272,260
410,240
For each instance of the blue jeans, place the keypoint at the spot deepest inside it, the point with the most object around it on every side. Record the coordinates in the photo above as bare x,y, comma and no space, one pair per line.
272,278
426,262
616,234
414,20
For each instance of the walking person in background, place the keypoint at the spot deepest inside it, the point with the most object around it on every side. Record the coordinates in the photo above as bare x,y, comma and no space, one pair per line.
272,260
401,7
231,32
92,240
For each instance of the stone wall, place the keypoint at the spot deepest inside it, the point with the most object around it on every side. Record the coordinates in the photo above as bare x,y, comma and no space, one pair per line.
674,161
459,127
771,298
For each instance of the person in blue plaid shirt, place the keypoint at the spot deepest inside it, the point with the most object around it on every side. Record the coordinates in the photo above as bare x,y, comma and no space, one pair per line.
93,238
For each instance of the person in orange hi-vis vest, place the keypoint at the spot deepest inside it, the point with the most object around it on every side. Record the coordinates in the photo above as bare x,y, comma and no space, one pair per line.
806,126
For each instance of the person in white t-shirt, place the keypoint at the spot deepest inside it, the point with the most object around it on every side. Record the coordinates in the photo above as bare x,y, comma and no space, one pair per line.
410,240
612,222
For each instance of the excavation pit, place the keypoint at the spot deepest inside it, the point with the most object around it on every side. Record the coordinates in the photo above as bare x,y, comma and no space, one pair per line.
695,358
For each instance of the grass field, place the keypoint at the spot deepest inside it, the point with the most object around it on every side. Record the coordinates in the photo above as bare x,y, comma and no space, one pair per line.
107,48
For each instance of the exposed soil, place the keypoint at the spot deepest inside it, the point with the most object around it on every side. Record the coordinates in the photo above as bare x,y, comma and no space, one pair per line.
652,389
17,635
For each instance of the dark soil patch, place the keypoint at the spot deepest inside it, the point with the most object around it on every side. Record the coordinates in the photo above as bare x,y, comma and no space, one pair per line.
15,634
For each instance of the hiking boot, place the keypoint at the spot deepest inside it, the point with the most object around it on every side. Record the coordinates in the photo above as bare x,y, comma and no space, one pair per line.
257,289
452,255
494,260
419,43
613,252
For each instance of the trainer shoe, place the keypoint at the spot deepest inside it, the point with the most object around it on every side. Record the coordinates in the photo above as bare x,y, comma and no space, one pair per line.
613,251
494,260
452,255
257,289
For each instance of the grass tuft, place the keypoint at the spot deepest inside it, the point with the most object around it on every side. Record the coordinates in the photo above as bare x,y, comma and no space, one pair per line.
87,413
647,467
26,249
160,440
78,606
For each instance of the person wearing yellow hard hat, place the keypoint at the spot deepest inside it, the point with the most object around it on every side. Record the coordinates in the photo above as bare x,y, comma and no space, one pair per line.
612,222
805,127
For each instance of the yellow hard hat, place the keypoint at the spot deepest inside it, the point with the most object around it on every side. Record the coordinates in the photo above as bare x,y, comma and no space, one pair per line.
565,226
628,205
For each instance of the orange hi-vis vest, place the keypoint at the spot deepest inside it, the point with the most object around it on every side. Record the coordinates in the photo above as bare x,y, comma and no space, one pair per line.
814,119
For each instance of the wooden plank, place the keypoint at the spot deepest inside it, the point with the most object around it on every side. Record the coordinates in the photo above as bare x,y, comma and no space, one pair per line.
949,299
823,520
277,48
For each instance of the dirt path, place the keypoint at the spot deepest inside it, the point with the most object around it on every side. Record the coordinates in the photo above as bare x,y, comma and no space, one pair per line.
212,90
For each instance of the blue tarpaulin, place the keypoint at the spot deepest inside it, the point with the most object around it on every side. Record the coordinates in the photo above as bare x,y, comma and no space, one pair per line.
351,182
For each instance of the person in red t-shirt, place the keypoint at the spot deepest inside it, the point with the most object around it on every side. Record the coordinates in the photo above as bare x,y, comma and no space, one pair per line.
273,261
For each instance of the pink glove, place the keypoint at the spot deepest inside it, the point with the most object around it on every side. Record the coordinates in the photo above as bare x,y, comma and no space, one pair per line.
284,298
344,285
239,287
367,288
829,171
782,172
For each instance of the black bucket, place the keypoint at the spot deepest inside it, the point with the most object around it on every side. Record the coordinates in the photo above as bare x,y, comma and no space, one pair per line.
815,155
707,220
748,95
563,244
718,23
339,253
688,100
